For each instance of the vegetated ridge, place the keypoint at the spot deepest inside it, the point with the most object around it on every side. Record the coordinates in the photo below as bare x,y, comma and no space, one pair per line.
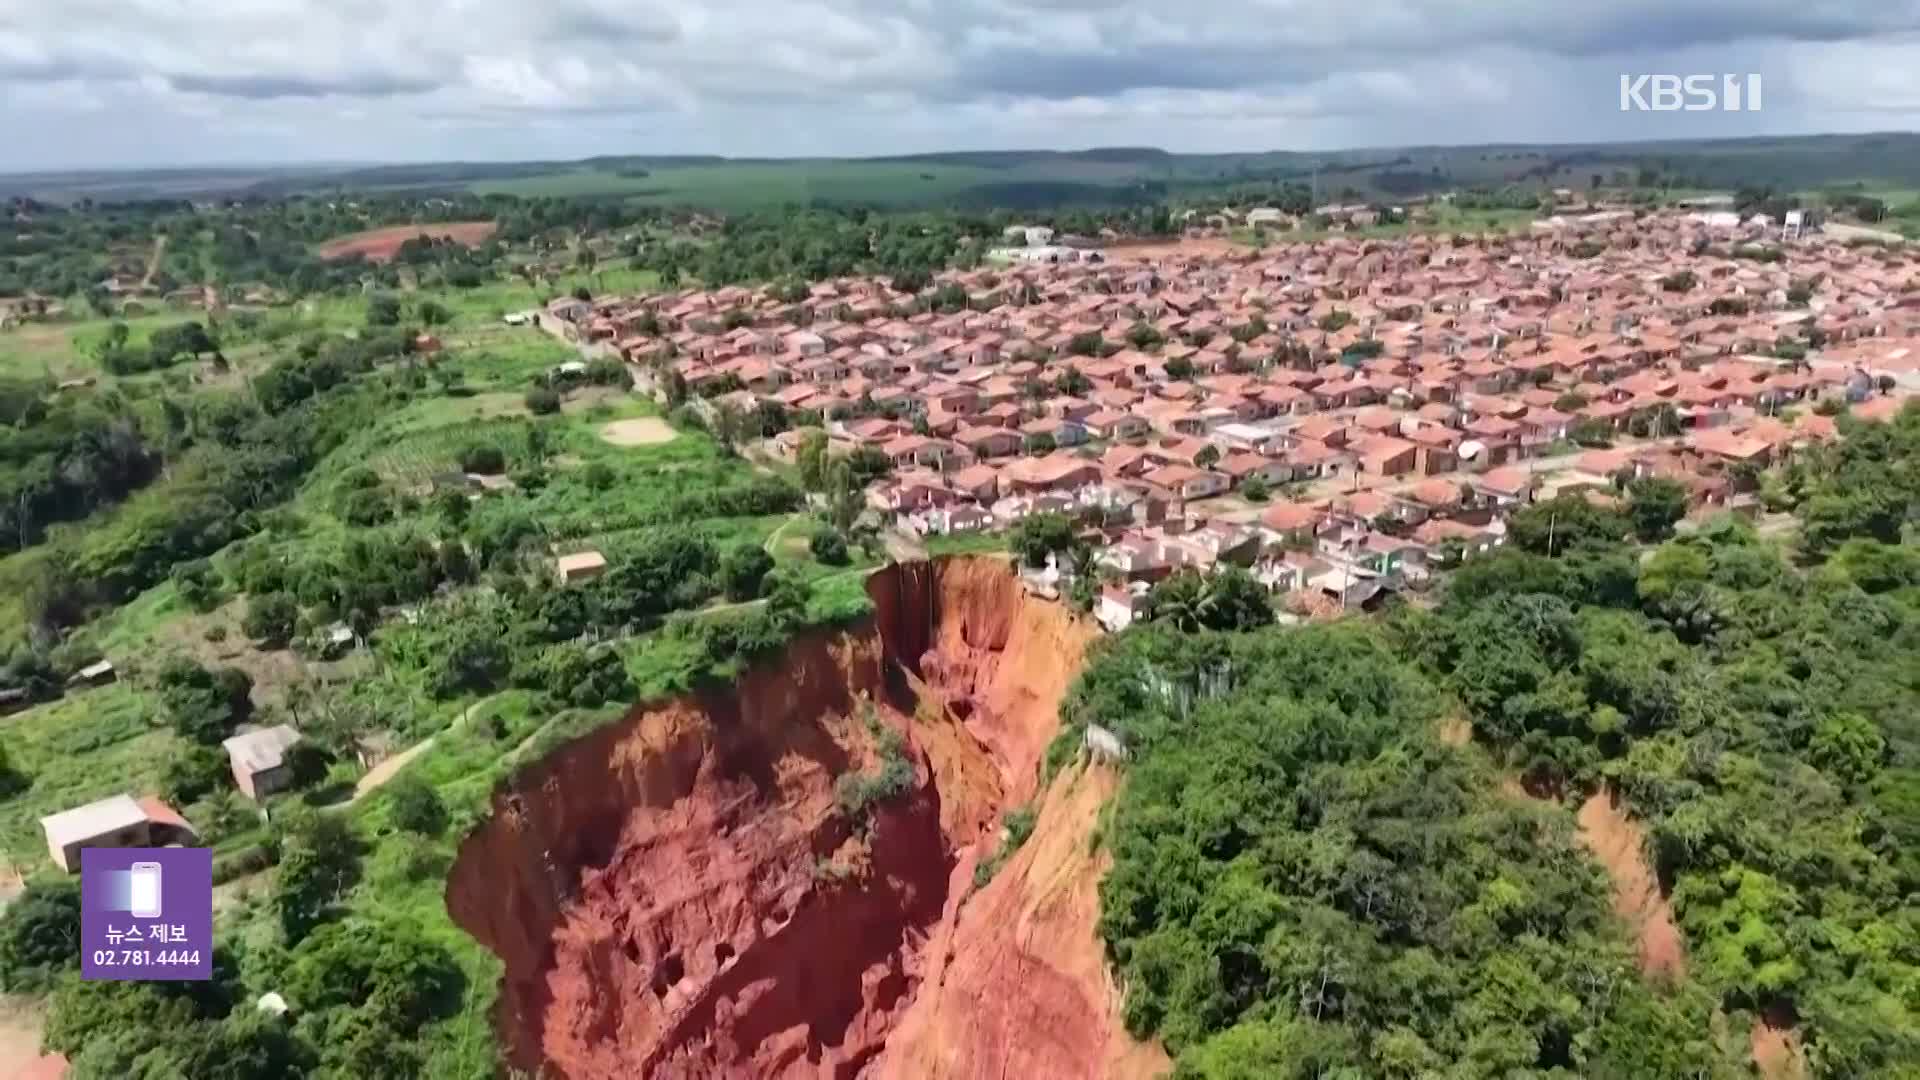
761,880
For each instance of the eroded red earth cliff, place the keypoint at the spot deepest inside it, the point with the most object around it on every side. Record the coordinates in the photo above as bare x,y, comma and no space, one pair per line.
678,895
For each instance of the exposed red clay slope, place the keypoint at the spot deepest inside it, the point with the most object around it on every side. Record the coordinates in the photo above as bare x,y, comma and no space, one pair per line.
655,889
1620,844
1016,985
1775,1042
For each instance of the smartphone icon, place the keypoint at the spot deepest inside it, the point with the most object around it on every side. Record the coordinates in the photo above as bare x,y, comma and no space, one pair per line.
145,879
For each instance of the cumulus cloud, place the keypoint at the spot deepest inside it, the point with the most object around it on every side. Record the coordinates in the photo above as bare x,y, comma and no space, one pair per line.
168,81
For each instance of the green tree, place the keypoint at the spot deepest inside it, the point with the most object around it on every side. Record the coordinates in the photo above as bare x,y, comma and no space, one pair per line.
271,619
383,309
40,934
1179,600
1848,745
1654,504
365,507
829,546
1040,535
1087,344
743,571
1878,567
1235,601
1142,335
787,594
319,861
1228,599
542,401
1591,433
194,772
413,805
483,458
812,460
384,968
867,464
205,706
1746,913
1831,518
1566,524
12,780
198,584
453,506
582,676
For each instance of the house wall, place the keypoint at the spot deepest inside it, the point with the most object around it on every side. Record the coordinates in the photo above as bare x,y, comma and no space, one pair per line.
1397,465
1202,487
264,782
1114,616
68,857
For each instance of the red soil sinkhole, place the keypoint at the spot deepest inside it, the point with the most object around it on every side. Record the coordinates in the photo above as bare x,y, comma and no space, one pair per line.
679,895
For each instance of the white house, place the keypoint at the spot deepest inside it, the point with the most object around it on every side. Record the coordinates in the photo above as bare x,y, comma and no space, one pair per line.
1119,606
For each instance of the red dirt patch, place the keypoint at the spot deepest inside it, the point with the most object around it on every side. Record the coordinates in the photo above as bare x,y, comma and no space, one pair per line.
1620,844
379,245
1777,1053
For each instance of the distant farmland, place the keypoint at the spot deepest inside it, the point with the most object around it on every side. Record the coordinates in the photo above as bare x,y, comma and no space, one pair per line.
738,186
379,245
1047,179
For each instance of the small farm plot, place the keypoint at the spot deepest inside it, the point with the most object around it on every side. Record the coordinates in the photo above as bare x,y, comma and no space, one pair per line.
380,245
638,431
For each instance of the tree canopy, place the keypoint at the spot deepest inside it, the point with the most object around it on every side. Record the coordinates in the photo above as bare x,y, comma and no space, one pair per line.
1308,882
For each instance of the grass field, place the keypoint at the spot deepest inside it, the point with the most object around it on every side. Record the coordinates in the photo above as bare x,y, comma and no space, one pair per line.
747,186
84,747
967,544
68,348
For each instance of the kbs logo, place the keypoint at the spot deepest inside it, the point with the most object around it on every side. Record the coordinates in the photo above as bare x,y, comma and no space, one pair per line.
1689,93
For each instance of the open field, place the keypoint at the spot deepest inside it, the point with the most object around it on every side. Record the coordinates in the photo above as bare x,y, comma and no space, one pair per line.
748,185
86,746
379,245
1046,179
1041,179
640,431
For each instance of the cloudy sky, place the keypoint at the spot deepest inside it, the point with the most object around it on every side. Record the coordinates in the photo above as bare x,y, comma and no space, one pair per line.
100,83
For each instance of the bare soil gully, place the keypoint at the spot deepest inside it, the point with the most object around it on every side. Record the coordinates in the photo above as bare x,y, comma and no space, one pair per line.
677,894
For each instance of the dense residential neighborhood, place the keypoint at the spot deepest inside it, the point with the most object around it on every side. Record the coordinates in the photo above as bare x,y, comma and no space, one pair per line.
1341,417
